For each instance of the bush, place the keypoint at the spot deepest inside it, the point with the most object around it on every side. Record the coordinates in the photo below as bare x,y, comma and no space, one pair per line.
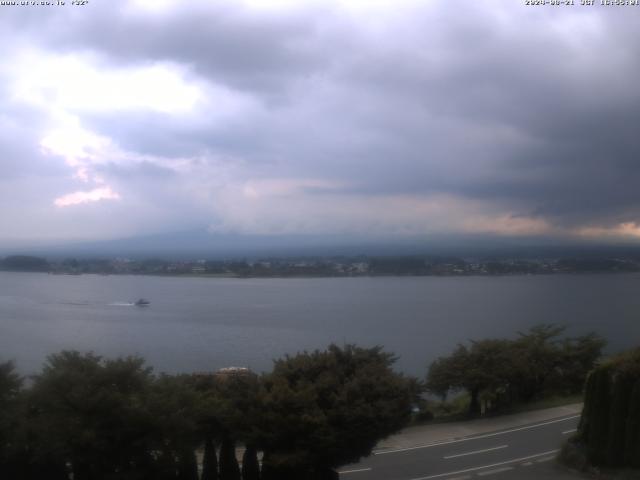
610,423
574,454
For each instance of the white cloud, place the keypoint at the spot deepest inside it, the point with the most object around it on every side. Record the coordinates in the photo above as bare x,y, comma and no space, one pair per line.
79,83
345,116
91,196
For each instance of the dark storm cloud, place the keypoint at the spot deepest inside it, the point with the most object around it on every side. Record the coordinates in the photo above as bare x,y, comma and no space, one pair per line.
524,113
566,92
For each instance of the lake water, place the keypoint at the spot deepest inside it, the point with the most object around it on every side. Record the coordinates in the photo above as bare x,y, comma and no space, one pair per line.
200,324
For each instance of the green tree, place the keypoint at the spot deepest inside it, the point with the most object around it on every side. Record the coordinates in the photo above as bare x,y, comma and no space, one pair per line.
482,370
209,418
90,413
537,359
10,422
174,406
578,357
501,371
328,408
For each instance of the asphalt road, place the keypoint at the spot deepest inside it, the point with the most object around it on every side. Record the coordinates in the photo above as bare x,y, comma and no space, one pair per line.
522,452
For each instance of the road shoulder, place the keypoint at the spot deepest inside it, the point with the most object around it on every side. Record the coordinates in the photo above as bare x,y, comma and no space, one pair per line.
442,432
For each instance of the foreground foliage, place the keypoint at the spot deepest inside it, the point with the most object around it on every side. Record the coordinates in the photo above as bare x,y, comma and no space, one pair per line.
326,409
89,418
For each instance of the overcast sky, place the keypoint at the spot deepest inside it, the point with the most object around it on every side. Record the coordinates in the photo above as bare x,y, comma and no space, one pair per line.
359,117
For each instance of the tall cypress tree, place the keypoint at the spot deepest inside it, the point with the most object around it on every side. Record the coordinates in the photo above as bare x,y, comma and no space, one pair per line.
250,465
187,466
620,398
209,461
599,421
632,437
610,423
229,469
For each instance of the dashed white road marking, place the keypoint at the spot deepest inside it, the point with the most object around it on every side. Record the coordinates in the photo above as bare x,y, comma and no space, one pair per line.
355,471
497,470
526,464
506,462
467,439
475,451
566,432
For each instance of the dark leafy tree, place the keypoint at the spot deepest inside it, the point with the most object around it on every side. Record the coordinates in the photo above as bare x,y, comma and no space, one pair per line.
174,404
577,358
537,358
482,368
328,408
90,414
499,372
238,409
209,420
10,390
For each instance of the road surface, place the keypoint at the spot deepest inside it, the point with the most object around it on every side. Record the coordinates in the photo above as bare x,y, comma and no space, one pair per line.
520,452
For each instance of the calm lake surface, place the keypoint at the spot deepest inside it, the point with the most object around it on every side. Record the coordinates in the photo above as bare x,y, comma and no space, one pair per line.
199,324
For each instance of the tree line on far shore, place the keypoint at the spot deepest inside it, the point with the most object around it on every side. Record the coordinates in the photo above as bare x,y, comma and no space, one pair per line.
90,418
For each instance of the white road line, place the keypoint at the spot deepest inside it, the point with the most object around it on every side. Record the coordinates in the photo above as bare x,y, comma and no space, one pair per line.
514,460
566,432
467,439
475,451
527,464
497,470
355,471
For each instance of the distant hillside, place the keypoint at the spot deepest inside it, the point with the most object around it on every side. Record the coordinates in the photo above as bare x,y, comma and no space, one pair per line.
202,244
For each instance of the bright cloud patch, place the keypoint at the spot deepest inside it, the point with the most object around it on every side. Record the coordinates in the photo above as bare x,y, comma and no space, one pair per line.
78,198
508,225
624,229
80,83
78,147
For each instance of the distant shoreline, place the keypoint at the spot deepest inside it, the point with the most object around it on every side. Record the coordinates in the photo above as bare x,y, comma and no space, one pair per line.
310,276
324,267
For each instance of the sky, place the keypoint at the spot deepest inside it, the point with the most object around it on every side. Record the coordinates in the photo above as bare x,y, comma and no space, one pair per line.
349,119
